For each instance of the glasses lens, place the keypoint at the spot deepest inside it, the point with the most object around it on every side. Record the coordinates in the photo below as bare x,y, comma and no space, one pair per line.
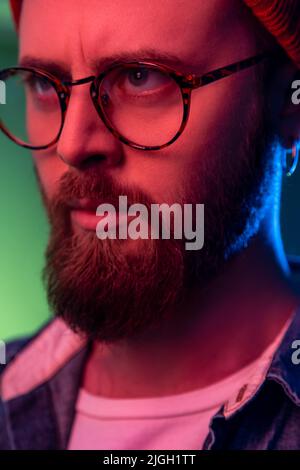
31,113
142,103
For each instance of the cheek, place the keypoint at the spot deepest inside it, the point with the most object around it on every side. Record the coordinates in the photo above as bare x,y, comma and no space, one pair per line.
161,175
220,117
211,143
49,170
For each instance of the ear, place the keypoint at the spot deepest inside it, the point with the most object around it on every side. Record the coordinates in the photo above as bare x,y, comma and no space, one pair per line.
287,114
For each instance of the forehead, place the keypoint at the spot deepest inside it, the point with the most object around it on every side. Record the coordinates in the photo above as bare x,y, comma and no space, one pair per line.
78,31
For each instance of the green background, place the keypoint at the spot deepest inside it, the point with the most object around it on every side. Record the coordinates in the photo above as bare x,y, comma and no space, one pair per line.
23,227
23,233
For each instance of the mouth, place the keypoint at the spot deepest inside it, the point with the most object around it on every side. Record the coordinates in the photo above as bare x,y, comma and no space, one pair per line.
85,219
83,214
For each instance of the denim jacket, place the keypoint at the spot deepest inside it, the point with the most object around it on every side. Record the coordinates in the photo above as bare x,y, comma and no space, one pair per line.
41,379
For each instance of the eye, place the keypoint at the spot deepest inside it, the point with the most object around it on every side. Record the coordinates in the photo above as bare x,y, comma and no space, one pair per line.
138,77
40,87
43,87
142,81
40,93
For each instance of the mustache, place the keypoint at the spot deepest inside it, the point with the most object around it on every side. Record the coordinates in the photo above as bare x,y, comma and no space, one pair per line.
90,184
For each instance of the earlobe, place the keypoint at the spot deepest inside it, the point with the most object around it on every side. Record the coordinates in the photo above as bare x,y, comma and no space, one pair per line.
290,159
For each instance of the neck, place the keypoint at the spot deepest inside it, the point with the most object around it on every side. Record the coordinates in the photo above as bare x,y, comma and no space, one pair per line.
222,331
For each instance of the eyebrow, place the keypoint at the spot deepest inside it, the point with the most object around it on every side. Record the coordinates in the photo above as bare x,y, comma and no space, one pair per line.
59,69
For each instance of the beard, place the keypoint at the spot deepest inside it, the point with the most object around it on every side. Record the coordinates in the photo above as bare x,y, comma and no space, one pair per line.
108,293
99,287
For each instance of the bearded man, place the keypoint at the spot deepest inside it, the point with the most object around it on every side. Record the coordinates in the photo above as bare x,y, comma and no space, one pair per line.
151,345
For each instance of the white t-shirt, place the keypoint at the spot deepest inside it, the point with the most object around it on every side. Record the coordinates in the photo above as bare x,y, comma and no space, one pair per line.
174,422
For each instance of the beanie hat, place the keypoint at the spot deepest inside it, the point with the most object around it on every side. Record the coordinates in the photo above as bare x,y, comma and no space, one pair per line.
281,18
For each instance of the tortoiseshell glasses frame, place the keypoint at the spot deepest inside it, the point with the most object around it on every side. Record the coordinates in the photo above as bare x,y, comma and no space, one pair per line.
186,82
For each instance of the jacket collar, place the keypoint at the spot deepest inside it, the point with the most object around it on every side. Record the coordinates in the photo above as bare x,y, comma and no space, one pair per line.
39,389
276,366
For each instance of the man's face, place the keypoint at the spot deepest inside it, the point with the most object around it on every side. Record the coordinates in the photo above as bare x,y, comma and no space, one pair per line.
210,163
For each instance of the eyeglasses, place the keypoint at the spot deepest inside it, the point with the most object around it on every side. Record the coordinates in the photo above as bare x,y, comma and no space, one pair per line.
143,104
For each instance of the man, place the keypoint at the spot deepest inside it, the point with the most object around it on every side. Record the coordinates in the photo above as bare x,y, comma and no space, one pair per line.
154,346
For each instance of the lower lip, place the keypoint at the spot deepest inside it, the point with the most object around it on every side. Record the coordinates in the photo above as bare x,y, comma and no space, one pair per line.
88,220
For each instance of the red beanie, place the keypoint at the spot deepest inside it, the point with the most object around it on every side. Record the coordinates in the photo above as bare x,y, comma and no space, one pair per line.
280,17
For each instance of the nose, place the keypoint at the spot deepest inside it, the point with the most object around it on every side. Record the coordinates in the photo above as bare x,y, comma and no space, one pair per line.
85,140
